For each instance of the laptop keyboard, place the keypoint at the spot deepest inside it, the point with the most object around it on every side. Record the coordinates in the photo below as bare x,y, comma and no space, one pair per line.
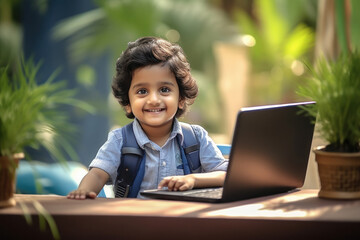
206,193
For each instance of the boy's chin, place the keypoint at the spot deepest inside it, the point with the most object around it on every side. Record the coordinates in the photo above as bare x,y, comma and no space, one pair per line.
156,123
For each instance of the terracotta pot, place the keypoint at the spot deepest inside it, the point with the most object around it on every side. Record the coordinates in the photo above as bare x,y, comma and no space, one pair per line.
8,167
339,174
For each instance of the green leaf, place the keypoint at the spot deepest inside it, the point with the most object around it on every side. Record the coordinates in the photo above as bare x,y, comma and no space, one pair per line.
334,85
32,114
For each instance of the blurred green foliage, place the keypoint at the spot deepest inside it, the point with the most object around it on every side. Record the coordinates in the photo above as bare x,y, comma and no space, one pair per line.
280,47
11,34
33,115
354,27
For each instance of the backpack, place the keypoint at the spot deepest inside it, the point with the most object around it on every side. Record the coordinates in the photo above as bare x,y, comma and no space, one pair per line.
132,168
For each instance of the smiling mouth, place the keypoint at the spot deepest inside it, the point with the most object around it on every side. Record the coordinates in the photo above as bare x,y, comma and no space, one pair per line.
155,110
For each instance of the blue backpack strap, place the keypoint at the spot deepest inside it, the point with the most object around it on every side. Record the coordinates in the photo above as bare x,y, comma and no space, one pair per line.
135,188
132,166
190,149
185,161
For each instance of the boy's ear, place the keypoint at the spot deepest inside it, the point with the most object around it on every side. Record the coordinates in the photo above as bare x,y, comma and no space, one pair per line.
181,103
128,108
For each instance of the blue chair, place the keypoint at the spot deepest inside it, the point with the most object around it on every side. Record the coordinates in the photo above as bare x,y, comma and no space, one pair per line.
34,177
225,149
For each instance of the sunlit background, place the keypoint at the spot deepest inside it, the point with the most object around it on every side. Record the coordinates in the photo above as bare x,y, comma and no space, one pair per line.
242,52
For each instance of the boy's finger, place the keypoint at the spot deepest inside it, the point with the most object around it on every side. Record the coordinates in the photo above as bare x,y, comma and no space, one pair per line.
164,182
179,185
91,195
81,195
161,184
171,184
184,187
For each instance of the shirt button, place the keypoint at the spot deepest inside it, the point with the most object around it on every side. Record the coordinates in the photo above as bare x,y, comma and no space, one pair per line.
164,163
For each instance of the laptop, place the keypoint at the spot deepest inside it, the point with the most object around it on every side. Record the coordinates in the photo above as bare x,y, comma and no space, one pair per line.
269,155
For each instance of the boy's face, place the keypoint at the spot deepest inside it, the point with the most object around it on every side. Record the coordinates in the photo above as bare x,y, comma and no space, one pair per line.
154,96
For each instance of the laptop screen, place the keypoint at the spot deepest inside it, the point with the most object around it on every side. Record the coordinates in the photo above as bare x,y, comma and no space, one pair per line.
270,150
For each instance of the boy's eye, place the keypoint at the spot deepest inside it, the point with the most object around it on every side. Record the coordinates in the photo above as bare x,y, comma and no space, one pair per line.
164,89
141,91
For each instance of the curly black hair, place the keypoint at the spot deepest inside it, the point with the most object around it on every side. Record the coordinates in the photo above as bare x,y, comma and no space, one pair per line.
149,51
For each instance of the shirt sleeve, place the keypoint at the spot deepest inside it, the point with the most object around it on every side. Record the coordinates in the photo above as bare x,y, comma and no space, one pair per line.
108,156
211,157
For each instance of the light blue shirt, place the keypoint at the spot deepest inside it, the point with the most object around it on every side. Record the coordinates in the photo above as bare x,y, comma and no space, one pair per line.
160,161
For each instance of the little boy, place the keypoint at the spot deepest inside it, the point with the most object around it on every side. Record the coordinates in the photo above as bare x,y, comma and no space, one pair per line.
154,85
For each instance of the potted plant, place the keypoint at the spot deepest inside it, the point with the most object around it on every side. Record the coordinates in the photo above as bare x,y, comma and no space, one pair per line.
335,86
30,116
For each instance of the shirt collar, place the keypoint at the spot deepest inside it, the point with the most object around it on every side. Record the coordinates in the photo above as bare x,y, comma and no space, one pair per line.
142,139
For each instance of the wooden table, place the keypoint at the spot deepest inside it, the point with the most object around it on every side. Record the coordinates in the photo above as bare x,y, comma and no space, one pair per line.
297,215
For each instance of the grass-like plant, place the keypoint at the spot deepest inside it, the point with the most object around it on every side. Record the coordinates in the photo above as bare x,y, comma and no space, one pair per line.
32,114
335,86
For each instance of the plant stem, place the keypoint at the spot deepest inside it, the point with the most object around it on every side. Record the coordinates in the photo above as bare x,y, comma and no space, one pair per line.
342,21
6,14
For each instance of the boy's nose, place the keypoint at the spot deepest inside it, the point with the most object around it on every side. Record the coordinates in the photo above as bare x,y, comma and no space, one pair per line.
154,98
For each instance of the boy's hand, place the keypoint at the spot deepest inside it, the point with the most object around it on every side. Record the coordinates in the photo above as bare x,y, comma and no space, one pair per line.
81,194
90,185
178,183
195,180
